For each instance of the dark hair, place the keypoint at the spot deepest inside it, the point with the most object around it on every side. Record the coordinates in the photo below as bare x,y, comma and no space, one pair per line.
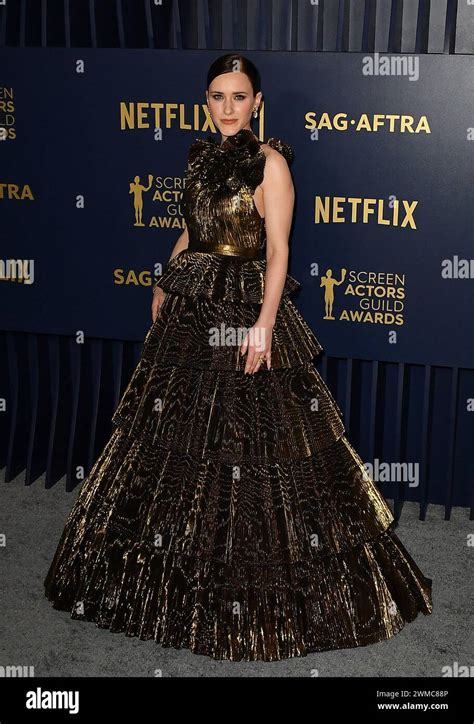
231,63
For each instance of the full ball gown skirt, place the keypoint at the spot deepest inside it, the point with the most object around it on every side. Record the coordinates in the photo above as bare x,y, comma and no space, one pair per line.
229,514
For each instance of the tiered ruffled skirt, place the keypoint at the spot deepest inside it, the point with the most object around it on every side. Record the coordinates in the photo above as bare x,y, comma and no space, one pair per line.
228,513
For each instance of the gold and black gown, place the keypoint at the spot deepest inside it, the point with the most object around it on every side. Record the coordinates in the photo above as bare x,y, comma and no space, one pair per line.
228,513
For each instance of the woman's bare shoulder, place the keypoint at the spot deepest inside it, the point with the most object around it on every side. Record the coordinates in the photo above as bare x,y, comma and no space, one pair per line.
276,147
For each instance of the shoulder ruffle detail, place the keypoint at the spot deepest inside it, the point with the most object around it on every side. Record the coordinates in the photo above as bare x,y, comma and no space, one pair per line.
239,160
228,166
218,277
284,148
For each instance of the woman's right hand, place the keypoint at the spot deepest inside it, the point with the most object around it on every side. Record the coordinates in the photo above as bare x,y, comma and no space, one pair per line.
158,299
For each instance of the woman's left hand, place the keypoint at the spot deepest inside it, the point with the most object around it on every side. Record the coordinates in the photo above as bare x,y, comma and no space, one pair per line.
258,345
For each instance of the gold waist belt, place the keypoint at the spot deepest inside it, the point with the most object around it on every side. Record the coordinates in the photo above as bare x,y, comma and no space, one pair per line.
227,249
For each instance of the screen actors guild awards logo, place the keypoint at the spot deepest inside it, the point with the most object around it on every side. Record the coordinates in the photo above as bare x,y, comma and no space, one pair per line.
368,297
137,189
329,282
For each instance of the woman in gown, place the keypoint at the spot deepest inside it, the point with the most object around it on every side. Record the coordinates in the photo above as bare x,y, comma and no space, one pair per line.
228,513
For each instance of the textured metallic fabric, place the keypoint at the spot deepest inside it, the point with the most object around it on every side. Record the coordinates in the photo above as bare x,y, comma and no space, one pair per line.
228,513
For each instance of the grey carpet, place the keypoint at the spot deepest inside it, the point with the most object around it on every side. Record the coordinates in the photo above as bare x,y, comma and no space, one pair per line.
33,634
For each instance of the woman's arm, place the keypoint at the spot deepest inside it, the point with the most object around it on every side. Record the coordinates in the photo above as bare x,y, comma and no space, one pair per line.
182,243
279,197
183,239
158,293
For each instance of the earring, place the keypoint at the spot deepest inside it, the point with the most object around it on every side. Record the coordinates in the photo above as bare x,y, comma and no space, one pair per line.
255,113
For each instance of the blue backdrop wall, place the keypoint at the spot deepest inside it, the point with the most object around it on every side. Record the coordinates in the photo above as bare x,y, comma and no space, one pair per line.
94,162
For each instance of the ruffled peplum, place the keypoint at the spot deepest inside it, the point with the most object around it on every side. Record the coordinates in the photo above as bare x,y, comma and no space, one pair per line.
219,277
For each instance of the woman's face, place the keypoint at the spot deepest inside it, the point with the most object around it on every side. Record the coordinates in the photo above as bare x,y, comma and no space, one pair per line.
231,102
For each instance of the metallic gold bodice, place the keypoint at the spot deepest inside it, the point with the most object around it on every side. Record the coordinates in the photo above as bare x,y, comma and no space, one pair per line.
219,209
